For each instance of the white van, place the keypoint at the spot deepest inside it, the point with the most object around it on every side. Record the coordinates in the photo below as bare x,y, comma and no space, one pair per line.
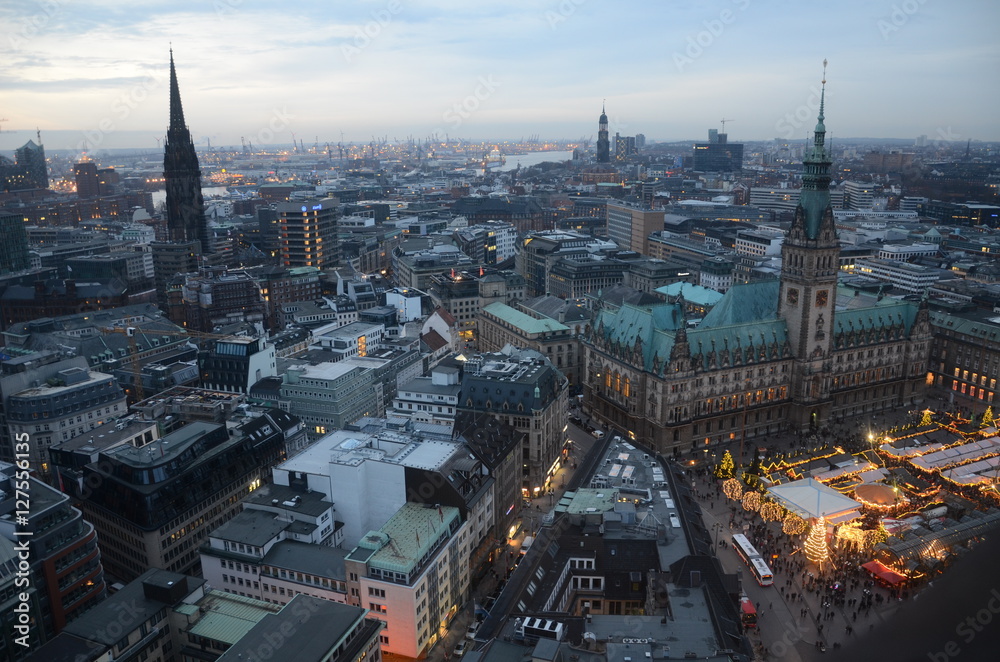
599,434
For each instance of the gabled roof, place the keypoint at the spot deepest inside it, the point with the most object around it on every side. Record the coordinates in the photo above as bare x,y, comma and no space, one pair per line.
433,340
884,315
743,303
443,313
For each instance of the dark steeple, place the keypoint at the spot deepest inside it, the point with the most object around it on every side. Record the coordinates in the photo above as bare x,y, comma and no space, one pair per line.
176,110
182,174
603,141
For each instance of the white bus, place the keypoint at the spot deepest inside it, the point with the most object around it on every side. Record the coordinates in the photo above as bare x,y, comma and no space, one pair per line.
761,572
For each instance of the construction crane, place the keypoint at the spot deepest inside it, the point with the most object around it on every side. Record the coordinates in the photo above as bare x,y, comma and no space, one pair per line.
130,332
724,120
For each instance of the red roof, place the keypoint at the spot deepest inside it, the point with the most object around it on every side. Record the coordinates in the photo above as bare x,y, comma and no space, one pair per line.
433,340
446,316
883,573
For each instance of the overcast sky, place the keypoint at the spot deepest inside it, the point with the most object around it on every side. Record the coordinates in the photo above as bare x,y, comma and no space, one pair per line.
96,70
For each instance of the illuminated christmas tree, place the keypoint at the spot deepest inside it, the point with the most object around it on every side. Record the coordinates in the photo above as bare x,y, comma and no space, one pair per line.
732,489
926,420
725,468
793,525
751,501
816,550
988,420
770,511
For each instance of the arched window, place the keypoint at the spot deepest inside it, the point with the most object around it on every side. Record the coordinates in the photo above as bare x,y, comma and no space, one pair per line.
618,382
607,380
628,388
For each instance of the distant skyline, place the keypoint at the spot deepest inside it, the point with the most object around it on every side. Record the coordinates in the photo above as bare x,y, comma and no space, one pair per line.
94,75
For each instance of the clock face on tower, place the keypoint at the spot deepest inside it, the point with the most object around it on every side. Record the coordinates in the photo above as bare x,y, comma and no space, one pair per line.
793,296
821,298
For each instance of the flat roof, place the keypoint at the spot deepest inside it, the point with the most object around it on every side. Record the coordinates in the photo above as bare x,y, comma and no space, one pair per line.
155,452
525,323
251,527
311,503
91,625
408,536
310,558
319,627
228,617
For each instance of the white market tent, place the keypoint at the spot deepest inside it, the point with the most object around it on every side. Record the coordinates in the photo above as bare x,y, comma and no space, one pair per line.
810,498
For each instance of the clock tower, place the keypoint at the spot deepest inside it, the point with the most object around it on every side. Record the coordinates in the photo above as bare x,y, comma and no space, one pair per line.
809,264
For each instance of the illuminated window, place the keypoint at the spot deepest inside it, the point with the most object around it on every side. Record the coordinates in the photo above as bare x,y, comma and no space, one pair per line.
628,387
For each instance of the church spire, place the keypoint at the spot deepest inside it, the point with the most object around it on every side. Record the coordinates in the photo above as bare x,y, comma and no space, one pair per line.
814,199
176,110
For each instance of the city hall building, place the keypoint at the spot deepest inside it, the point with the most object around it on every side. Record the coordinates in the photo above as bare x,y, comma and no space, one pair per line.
785,354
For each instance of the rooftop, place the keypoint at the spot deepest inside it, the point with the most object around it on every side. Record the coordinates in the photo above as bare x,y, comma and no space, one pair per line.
164,448
309,558
407,537
319,626
525,323
251,527
227,617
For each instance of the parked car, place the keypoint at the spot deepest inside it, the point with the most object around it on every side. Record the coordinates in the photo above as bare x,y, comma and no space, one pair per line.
459,649
470,633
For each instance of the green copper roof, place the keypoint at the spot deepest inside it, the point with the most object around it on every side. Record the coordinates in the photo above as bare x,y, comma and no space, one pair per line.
228,617
654,326
744,303
892,316
696,294
525,323
750,342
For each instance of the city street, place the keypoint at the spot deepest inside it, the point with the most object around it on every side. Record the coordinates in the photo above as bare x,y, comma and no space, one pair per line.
579,460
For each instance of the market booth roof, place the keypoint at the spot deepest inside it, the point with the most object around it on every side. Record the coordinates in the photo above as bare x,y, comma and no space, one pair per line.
883,573
810,498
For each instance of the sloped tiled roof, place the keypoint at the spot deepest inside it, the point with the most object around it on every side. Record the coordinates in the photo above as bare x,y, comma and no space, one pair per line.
745,303
433,340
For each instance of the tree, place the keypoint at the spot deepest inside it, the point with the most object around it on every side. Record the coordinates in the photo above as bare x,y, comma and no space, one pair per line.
926,420
725,468
816,549
988,420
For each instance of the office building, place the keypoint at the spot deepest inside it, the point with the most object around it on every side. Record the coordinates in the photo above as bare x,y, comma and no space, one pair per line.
215,297
533,398
71,402
235,364
169,260
13,243
413,574
718,154
308,233
155,502
630,227
66,577
770,355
